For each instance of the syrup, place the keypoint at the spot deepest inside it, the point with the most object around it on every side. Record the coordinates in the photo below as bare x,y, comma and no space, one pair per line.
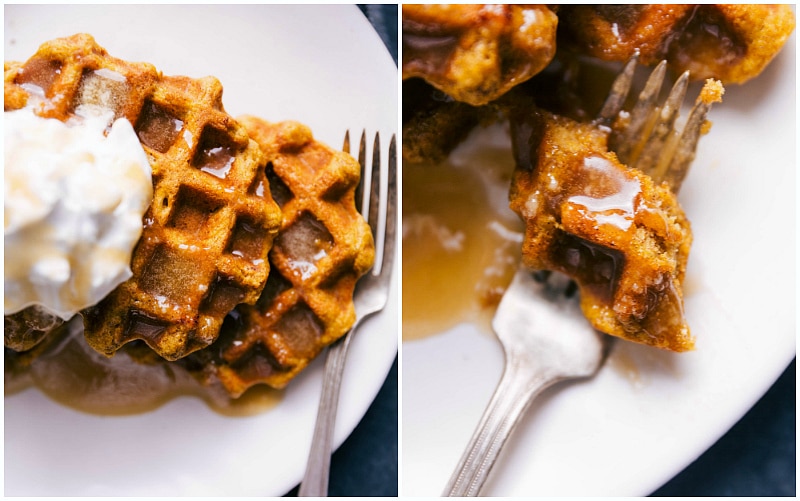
157,128
248,241
304,244
73,374
217,161
710,34
215,153
41,73
461,242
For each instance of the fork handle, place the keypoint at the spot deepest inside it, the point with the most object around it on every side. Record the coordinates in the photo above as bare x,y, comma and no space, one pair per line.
517,387
315,480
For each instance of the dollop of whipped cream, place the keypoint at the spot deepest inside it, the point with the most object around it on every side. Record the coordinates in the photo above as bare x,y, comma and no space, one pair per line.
74,197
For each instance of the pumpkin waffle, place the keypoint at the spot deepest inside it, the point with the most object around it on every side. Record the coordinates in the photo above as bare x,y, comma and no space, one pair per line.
622,237
206,235
476,53
323,247
433,127
732,43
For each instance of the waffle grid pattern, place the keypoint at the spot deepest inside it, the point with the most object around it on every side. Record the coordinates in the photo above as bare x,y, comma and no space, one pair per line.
212,222
323,247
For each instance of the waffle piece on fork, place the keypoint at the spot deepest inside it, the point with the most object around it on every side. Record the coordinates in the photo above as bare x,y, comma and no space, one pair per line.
323,247
206,235
620,233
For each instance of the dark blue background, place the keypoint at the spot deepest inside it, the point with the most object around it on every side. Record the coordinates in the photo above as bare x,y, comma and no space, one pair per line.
755,458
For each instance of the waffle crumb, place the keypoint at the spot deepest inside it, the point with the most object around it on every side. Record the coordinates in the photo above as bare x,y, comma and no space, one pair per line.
712,92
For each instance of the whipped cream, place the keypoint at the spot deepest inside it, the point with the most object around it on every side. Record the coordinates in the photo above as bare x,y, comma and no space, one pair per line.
74,197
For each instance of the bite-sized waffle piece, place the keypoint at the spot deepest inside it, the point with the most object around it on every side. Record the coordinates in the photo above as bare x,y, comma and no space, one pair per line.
623,238
732,43
323,247
206,235
476,53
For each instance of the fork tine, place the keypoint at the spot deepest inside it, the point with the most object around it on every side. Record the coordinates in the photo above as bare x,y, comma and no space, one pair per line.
362,161
346,145
619,92
641,116
687,146
658,150
391,211
375,193
647,138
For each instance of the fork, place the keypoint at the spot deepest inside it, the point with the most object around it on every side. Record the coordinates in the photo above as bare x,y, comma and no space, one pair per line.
544,337
370,297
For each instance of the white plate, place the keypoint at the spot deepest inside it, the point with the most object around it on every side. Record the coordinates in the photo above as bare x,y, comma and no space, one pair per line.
321,65
647,414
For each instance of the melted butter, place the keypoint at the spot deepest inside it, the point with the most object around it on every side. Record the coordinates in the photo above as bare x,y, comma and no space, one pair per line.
461,242
73,374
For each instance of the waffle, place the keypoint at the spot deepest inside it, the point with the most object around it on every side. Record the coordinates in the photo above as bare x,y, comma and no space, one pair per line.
476,53
323,247
624,239
433,127
206,235
732,43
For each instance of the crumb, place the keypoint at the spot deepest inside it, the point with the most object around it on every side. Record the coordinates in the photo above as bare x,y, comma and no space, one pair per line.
712,92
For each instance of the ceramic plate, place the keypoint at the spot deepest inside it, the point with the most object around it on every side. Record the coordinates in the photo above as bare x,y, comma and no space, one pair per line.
647,414
321,65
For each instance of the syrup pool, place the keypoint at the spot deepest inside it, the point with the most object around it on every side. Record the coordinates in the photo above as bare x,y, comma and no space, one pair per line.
73,374
461,242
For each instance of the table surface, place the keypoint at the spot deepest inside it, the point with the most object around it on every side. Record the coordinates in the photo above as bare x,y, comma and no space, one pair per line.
755,458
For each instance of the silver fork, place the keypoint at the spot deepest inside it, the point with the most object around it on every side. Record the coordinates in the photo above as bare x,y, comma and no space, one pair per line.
371,296
545,338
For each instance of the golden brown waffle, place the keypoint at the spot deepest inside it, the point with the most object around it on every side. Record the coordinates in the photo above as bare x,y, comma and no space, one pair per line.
212,221
732,43
323,247
433,127
623,238
476,53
